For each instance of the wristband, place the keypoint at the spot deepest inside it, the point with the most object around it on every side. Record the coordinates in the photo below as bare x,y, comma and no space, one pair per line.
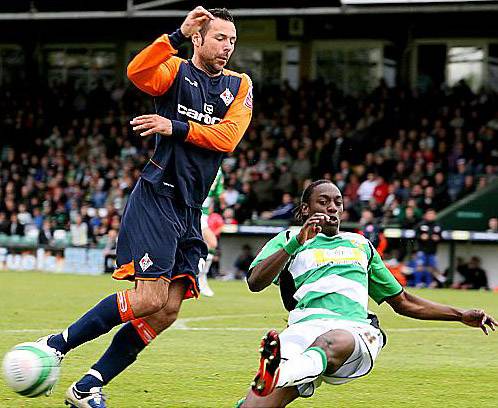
176,39
292,246
179,129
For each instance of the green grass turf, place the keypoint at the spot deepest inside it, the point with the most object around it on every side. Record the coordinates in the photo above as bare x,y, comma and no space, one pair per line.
444,364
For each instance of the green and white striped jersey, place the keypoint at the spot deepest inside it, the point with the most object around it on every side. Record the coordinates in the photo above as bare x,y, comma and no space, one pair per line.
215,191
334,276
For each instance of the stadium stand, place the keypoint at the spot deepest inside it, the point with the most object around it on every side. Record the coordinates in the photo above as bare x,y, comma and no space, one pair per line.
70,153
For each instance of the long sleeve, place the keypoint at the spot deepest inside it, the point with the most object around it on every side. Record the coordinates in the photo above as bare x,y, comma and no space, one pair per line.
225,135
154,69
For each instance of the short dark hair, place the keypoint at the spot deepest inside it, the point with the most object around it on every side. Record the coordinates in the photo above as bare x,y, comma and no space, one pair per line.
305,198
221,13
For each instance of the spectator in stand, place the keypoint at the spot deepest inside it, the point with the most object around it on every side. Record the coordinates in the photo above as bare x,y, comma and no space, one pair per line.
340,181
25,217
61,216
381,190
468,187
46,234
231,195
37,218
395,267
15,227
285,211
367,187
283,157
301,168
263,164
371,230
474,276
263,190
410,220
79,232
429,234
229,216
441,195
245,204
419,274
493,225
457,180
243,262
4,224
392,199
352,187
428,200
58,155
110,250
285,181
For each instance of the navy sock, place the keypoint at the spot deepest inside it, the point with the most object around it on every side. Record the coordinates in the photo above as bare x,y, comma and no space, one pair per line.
94,323
57,342
88,382
122,352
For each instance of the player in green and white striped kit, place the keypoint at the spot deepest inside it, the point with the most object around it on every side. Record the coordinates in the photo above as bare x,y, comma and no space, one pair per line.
215,193
326,278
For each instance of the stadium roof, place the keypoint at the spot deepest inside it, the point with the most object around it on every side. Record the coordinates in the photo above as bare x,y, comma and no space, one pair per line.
63,9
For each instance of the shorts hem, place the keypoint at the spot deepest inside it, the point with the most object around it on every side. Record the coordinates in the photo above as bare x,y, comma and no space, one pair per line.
152,278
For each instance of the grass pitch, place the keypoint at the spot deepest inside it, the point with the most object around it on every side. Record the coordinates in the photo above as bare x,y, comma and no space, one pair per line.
210,357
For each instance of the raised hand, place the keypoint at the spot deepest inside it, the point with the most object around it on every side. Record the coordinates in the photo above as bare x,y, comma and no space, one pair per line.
195,20
312,227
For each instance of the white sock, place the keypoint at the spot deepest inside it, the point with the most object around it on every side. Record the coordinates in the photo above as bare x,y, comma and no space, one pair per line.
207,265
303,368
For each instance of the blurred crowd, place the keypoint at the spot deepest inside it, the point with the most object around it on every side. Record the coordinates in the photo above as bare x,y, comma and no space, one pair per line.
69,159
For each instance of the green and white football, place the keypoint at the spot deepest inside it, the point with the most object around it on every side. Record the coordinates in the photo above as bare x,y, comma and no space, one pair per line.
30,369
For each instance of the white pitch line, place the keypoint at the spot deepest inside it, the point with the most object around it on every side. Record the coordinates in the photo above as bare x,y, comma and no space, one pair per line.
31,331
423,329
183,326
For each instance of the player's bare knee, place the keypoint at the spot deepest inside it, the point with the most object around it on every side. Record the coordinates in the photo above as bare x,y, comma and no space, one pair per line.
169,316
163,319
338,346
326,345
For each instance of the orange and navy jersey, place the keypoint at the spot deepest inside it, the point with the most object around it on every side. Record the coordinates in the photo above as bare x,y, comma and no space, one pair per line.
209,116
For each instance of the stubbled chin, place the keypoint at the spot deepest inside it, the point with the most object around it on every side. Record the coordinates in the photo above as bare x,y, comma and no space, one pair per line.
215,68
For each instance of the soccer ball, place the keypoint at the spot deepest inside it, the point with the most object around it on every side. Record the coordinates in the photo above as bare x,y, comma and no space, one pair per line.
31,369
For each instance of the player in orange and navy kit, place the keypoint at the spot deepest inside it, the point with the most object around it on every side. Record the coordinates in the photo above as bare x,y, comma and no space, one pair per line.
202,112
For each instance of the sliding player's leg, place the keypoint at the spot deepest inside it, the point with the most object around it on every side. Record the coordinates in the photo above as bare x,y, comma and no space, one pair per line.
279,398
307,351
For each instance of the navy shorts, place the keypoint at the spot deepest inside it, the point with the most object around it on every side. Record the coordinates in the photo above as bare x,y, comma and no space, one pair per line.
159,239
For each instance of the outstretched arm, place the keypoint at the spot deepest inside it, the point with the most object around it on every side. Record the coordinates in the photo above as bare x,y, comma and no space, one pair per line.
416,307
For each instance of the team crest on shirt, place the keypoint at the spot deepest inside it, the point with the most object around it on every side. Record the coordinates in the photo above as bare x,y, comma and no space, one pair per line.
227,97
145,262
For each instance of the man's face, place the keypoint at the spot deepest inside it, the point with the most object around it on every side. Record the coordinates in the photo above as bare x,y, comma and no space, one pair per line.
430,215
216,48
493,223
326,199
